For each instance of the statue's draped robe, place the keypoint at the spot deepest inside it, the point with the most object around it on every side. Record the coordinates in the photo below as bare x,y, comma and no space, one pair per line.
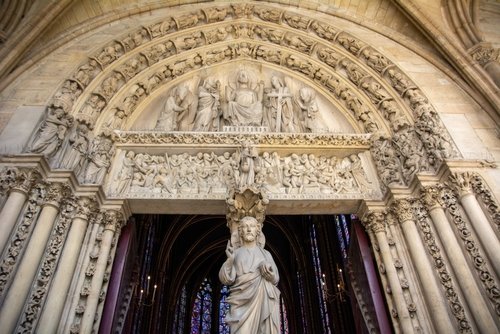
254,301
245,109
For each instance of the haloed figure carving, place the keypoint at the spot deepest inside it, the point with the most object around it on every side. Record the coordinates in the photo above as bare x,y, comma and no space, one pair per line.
252,274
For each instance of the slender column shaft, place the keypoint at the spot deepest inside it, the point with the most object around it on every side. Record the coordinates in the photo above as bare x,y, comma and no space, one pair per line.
431,290
68,315
10,213
371,274
482,226
18,291
466,280
392,276
53,309
87,321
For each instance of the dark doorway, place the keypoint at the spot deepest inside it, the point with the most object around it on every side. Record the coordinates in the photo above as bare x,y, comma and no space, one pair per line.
170,281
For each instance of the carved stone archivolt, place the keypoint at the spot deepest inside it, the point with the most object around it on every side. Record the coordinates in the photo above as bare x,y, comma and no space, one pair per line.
107,91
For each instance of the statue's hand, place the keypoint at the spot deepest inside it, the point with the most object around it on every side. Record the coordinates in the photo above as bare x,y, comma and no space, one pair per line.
266,270
229,254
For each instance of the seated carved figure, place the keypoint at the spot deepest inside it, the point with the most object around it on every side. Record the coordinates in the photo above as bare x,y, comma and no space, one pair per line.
244,106
252,274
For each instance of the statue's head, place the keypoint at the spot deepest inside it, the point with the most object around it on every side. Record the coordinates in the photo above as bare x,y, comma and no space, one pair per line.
249,223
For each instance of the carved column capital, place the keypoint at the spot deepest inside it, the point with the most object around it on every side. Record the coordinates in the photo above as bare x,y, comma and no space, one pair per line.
113,220
55,192
403,210
18,179
432,196
461,182
374,221
85,206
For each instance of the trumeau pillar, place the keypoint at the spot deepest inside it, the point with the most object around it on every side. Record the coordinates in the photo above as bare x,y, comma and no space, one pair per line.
18,291
461,182
16,199
54,305
431,290
470,290
113,223
375,221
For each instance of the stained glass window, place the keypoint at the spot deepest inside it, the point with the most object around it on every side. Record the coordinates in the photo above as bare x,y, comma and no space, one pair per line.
320,280
223,309
180,312
300,283
201,318
284,319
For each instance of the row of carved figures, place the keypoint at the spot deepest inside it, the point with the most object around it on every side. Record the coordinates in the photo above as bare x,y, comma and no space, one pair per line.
206,173
88,156
245,103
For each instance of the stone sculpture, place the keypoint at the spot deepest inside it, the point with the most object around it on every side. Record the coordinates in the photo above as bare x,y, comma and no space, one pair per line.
52,132
244,107
313,122
208,115
252,275
279,107
178,112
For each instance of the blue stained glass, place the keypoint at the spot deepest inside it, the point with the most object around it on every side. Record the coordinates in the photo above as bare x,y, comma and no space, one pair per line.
223,309
201,318
320,280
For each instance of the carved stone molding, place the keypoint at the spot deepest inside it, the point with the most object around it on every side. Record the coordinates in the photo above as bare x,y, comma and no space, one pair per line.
445,278
231,139
36,298
485,274
487,198
18,241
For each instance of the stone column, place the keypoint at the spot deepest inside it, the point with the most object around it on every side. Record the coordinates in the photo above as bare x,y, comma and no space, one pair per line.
51,314
376,222
430,287
14,203
467,282
113,223
21,284
491,245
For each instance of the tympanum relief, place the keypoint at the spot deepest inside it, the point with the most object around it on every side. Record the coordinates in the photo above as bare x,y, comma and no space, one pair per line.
246,100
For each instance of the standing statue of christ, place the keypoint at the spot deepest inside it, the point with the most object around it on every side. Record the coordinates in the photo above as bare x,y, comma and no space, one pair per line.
252,275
